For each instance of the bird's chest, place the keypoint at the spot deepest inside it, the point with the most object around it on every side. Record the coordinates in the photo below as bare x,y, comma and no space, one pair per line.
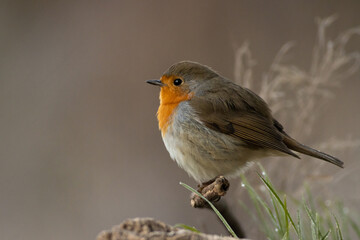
177,134
185,135
198,150
186,149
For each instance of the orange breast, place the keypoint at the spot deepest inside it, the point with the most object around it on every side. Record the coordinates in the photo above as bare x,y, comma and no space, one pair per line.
169,100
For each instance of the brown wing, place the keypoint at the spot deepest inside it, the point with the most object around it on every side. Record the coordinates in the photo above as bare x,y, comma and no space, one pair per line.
247,120
251,129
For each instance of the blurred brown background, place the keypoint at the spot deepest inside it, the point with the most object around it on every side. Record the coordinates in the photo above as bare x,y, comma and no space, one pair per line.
80,150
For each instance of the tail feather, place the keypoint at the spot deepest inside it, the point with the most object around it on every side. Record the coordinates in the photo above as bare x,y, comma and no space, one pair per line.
301,148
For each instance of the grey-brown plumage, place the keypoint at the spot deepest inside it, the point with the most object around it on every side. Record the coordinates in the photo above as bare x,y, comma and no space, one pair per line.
220,126
236,111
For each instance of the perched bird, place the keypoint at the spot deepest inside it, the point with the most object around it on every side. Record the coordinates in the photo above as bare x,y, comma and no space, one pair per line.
211,126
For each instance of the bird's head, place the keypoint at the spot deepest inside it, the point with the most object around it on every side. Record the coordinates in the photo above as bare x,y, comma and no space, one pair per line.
180,81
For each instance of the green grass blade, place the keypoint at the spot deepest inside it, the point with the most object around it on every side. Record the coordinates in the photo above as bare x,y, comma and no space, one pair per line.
286,219
278,217
316,224
312,222
326,235
338,229
299,225
184,226
261,208
313,231
318,231
355,227
330,225
257,199
286,236
272,190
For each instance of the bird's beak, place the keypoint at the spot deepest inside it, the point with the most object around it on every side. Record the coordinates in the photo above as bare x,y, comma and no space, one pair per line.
155,82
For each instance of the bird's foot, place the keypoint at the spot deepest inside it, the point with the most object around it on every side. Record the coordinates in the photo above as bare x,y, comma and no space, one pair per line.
212,190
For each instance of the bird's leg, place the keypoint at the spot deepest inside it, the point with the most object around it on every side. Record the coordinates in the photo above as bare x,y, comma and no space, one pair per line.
212,190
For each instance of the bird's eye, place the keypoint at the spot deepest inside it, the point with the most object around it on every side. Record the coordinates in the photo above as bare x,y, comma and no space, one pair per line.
177,82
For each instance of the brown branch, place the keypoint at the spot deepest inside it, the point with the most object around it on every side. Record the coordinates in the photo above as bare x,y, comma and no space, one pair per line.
150,229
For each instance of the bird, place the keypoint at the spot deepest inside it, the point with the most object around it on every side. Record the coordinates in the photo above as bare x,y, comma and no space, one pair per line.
211,126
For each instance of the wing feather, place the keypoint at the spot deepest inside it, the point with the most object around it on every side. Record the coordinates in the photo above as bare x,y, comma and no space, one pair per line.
248,120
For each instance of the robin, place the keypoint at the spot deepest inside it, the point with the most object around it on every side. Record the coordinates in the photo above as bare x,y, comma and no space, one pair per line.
211,126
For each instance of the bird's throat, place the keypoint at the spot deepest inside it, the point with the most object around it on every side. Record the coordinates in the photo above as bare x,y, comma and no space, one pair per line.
168,105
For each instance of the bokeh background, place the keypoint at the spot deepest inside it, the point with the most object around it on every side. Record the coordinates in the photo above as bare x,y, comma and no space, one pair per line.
80,150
